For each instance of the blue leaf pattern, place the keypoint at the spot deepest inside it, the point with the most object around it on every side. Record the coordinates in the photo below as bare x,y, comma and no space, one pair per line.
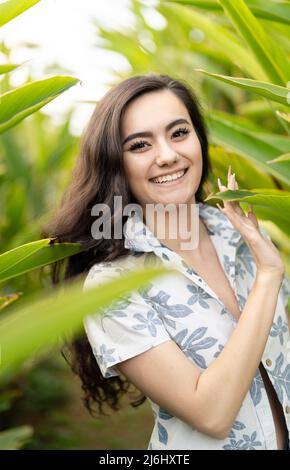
198,296
246,258
220,348
281,377
248,442
240,271
189,346
162,433
149,322
164,414
228,264
278,329
256,387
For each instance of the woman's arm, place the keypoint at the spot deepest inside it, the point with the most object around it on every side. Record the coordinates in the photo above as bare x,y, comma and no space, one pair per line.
222,387
230,376
209,400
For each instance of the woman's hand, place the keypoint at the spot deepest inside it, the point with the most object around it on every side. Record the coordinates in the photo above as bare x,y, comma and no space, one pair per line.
266,255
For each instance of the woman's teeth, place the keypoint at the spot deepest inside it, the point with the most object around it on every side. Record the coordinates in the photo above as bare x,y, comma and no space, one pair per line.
168,178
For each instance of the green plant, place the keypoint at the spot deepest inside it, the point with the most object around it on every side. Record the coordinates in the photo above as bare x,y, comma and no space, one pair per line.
19,103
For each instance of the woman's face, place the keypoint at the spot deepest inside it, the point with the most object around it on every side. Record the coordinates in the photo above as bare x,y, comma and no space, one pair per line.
168,148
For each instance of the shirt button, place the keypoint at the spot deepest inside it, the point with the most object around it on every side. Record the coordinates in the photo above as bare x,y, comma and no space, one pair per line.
268,362
287,409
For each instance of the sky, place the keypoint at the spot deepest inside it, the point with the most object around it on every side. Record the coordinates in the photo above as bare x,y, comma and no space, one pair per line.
64,32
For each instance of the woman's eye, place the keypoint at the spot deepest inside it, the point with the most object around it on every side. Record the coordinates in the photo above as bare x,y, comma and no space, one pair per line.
183,131
139,144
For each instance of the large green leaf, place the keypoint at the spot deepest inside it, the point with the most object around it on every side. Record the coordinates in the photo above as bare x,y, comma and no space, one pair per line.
25,100
43,321
254,146
33,255
271,58
262,9
275,204
220,38
15,438
268,90
13,8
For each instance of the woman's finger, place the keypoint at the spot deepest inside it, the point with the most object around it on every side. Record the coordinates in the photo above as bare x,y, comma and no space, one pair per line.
230,205
236,184
252,216
229,171
233,209
237,204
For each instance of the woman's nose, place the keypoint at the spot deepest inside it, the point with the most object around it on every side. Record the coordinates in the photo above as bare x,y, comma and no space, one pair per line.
165,154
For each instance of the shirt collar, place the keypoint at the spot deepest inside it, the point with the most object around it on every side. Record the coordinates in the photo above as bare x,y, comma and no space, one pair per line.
138,237
224,237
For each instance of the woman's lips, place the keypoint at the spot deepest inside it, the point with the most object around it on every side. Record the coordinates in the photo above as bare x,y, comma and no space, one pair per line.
171,183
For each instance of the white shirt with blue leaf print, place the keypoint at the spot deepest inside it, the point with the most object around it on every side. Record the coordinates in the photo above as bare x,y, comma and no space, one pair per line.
183,308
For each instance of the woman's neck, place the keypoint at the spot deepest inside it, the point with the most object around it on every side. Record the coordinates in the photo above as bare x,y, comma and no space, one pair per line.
180,229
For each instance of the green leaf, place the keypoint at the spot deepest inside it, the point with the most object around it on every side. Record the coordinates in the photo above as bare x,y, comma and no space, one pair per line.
271,58
284,116
257,147
13,8
268,10
268,90
25,100
15,438
7,68
280,142
33,255
248,174
274,11
255,108
41,322
219,38
12,258
282,158
273,203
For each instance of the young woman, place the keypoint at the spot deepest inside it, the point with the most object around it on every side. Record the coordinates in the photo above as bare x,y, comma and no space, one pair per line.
207,344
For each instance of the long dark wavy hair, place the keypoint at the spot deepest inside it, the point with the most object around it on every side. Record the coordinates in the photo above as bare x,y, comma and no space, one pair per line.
98,176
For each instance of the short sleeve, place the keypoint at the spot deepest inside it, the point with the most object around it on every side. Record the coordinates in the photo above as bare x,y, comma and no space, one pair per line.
122,330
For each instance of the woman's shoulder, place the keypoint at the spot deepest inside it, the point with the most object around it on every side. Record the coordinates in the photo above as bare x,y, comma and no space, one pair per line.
107,270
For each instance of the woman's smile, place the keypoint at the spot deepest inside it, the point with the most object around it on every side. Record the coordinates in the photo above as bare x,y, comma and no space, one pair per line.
169,179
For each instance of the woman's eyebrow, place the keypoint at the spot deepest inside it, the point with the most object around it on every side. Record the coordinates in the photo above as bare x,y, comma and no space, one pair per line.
149,134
